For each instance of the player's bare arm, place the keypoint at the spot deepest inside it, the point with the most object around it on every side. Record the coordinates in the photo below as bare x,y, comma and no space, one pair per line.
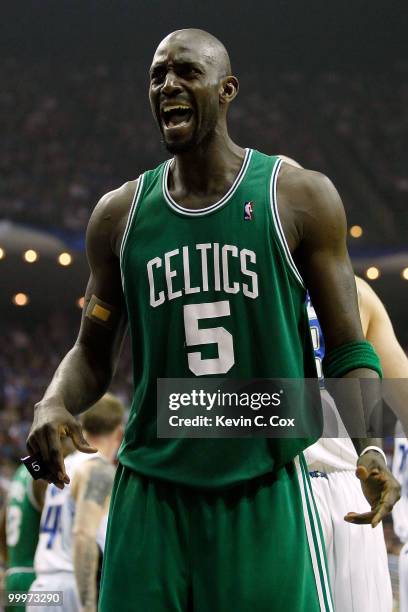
380,332
91,490
314,224
85,372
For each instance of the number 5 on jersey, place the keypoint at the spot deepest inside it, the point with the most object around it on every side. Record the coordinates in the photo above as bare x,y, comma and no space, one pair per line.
209,335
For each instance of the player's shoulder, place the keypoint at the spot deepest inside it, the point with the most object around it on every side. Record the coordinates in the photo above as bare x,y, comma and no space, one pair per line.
92,468
96,465
118,201
109,217
303,184
312,200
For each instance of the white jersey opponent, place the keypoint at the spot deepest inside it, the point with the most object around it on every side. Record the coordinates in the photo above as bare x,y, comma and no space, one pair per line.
400,511
54,550
400,471
53,562
356,554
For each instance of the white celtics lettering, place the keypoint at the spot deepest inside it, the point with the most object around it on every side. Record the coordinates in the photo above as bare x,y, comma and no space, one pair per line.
186,267
246,290
170,274
221,268
234,252
156,262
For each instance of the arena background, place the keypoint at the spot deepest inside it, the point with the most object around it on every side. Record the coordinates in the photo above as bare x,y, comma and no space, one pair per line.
324,83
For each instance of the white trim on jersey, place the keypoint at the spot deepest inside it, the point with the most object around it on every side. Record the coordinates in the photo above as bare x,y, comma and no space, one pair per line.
212,207
316,522
313,533
278,224
19,570
132,210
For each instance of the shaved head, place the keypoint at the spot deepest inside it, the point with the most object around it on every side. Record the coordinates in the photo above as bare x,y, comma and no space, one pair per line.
190,89
208,46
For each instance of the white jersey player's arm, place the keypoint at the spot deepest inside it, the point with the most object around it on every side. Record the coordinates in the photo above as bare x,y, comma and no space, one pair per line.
379,331
91,489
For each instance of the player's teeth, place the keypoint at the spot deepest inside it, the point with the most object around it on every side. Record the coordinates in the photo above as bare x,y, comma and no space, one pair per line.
172,108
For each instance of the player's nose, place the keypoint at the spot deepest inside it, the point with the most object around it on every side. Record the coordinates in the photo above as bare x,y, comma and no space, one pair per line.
171,84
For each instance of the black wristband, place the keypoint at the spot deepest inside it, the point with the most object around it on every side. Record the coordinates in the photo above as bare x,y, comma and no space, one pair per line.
36,466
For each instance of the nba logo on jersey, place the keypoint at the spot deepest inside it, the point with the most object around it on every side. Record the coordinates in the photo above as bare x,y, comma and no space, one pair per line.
248,211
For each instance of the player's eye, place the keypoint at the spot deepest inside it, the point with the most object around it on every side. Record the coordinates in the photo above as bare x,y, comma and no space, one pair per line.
157,76
187,72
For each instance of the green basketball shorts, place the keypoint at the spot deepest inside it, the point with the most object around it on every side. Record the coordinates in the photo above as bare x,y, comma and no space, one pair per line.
255,546
18,581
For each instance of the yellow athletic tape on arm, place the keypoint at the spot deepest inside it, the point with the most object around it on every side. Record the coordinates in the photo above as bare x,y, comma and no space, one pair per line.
101,312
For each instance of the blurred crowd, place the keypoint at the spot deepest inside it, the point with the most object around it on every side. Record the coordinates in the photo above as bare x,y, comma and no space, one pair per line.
70,133
28,359
368,113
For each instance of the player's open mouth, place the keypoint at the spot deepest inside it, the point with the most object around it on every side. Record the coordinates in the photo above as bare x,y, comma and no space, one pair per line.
176,115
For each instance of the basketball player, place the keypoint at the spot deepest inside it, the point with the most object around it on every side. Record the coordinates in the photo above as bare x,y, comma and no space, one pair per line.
211,288
357,557
19,523
400,512
74,518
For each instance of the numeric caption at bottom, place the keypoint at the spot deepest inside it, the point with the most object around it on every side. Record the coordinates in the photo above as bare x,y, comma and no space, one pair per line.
31,598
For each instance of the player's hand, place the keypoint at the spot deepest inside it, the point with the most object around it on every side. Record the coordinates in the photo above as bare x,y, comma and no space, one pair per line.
380,488
52,423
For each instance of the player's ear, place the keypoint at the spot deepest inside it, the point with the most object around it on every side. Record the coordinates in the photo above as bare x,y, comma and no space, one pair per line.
229,88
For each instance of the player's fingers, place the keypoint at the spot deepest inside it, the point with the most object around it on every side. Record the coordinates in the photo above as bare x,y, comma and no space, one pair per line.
382,511
42,442
364,474
78,439
389,497
56,464
359,519
32,446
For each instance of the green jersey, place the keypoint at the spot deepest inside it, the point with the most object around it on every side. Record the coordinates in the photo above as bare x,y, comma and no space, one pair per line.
211,292
22,521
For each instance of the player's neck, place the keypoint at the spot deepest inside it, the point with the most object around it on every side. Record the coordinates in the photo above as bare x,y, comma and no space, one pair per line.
106,447
208,168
